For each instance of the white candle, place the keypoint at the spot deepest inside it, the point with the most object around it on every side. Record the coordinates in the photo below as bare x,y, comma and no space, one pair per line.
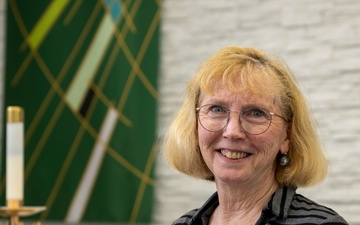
15,153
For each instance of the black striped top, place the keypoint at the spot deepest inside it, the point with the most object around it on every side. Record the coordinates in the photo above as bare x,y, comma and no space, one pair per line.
285,207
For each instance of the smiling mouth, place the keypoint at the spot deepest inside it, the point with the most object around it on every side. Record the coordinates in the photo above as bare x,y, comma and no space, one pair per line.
234,155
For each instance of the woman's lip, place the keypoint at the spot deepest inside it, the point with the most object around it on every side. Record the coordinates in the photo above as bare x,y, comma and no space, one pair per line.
233,154
233,150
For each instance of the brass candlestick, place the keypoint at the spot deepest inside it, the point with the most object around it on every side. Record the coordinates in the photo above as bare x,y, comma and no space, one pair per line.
15,170
14,210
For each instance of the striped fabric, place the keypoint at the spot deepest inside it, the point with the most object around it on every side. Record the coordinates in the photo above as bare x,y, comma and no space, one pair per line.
284,207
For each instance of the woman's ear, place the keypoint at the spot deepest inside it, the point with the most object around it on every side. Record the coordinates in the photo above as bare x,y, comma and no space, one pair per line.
284,148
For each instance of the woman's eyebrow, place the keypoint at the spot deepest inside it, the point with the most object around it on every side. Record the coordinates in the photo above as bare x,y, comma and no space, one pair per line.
219,101
254,105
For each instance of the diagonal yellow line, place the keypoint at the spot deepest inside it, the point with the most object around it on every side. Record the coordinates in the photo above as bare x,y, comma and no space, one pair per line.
40,145
146,179
55,86
113,153
89,129
21,26
24,65
141,190
122,161
18,18
85,126
126,91
111,61
72,12
135,8
148,37
20,72
135,71
128,19
53,120
127,88
107,102
151,158
108,66
64,169
45,23
62,73
90,63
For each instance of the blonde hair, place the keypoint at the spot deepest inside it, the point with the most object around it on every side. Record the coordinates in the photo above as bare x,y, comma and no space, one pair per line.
262,75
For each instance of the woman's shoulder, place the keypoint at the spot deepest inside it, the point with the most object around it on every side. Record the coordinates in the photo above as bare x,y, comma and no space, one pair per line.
186,218
309,210
289,207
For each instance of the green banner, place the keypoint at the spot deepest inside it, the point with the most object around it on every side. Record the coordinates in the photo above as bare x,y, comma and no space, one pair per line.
85,73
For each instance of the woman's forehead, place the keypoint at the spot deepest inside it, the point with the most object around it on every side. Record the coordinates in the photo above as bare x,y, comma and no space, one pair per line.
257,81
244,97
255,91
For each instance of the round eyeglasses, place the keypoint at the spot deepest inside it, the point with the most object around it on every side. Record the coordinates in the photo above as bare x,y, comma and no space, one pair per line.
253,120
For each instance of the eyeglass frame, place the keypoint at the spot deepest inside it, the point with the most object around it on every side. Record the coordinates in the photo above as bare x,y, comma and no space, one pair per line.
240,112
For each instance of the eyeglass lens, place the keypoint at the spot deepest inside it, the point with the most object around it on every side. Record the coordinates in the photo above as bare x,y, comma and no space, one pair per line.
253,120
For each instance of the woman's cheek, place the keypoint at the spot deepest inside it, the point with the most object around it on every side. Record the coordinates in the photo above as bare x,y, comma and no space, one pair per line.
206,137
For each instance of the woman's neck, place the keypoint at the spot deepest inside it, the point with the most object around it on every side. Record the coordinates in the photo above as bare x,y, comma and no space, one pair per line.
242,204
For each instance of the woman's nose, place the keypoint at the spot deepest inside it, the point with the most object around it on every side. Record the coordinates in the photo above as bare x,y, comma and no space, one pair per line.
234,130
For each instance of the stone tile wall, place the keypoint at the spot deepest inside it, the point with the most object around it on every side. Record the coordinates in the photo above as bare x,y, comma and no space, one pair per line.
319,39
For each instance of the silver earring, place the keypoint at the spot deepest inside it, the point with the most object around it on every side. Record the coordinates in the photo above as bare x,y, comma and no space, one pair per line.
284,160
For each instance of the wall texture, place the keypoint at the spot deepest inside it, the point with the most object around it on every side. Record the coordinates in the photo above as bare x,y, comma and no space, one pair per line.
321,42
319,39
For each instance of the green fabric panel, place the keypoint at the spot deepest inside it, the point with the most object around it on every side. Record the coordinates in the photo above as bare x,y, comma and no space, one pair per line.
46,44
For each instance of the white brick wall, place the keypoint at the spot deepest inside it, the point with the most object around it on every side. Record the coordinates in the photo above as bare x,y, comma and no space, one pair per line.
320,40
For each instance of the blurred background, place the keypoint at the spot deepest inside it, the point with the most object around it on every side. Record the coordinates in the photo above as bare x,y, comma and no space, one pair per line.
101,80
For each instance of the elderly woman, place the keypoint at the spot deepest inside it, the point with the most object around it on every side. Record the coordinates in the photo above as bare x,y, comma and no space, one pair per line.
245,125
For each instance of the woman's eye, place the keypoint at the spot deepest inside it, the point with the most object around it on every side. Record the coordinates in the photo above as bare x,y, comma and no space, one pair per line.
254,113
257,113
216,109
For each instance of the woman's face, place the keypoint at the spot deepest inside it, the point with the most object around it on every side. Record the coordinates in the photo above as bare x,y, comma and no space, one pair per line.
235,156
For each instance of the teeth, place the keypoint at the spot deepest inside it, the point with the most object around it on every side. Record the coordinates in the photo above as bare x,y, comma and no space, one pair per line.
233,155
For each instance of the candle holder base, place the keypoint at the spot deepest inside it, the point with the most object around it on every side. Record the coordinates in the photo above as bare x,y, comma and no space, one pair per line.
15,213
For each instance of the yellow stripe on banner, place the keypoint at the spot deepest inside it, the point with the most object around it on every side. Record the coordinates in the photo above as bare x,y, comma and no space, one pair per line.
90,64
45,23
